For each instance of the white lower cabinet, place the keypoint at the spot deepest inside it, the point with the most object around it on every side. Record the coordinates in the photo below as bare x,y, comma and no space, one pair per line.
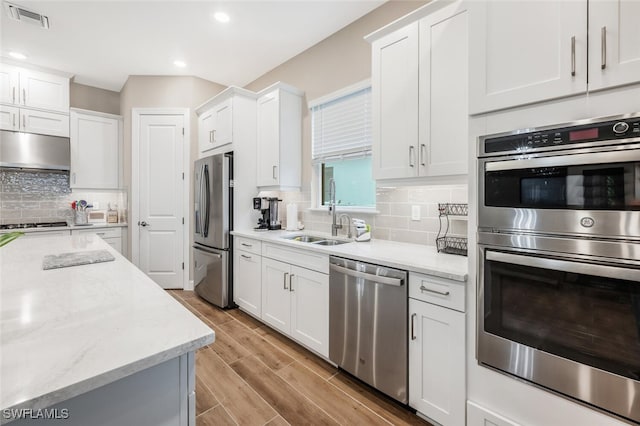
480,416
436,350
111,235
247,282
295,301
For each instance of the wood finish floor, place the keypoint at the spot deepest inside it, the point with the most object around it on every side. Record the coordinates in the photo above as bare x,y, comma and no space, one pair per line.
253,375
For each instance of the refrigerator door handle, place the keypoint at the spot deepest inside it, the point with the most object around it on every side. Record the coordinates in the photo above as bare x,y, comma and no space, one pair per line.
200,200
207,193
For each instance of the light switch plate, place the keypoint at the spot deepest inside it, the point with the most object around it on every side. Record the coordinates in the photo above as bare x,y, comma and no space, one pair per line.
415,212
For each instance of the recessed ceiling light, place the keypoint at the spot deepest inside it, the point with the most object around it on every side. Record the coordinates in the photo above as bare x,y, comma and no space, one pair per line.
18,55
179,64
221,17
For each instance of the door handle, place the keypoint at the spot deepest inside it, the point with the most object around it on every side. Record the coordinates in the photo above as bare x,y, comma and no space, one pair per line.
423,154
245,256
411,152
603,51
413,334
290,282
274,173
246,245
285,280
24,121
24,96
13,97
143,223
14,121
573,56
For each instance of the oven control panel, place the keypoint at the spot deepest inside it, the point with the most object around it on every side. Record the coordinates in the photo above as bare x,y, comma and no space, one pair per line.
527,141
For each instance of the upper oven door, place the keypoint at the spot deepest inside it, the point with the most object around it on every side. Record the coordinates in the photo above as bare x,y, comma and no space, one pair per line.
578,192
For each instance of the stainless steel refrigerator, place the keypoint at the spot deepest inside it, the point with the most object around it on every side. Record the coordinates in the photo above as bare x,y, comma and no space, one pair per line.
212,249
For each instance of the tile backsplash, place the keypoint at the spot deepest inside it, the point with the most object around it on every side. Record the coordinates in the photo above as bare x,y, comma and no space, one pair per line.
45,196
394,205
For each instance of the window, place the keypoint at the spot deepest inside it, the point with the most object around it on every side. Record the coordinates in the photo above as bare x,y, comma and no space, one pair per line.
341,146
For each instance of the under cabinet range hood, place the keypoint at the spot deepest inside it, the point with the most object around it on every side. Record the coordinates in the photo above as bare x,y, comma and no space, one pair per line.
32,151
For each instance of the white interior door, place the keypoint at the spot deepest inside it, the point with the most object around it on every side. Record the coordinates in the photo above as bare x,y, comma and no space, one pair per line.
161,199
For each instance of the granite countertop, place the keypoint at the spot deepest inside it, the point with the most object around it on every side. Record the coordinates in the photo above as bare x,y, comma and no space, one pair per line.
64,332
412,257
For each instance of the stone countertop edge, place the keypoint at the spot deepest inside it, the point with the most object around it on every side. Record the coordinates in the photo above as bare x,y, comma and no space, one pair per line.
87,385
457,271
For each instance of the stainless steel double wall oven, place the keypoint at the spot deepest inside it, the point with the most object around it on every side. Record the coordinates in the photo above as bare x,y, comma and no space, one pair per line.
559,259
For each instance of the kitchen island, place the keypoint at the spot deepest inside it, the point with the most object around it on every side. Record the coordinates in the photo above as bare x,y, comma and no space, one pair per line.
96,344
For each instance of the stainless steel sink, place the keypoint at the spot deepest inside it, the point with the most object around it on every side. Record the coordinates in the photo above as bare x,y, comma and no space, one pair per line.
330,242
304,238
321,241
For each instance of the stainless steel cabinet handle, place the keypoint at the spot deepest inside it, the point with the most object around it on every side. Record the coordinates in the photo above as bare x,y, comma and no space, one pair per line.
210,136
285,280
246,245
100,233
290,282
245,256
443,293
274,172
603,52
14,120
411,149
573,56
74,177
24,96
213,132
14,95
24,121
423,154
413,334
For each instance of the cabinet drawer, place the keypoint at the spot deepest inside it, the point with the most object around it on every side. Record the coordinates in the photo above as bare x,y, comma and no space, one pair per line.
439,291
305,259
101,232
249,245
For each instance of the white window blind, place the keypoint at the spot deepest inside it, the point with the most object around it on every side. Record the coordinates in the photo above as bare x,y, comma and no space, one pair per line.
341,126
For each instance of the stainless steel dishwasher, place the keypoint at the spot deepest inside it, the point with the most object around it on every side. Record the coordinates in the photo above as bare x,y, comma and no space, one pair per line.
368,324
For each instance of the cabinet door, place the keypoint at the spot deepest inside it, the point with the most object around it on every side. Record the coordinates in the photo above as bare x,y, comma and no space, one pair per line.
394,88
444,92
276,299
46,91
206,130
223,123
310,309
437,362
95,151
526,51
268,139
44,123
9,80
247,285
614,43
9,118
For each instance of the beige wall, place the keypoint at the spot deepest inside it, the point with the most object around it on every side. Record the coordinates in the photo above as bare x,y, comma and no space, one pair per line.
162,92
338,61
94,99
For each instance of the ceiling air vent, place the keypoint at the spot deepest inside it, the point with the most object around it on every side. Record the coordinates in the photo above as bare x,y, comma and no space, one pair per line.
23,15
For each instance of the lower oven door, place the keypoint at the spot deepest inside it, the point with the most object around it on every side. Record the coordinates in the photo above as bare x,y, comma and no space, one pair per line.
563,323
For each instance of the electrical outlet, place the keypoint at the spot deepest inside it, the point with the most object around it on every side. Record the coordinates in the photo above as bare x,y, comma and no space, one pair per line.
415,212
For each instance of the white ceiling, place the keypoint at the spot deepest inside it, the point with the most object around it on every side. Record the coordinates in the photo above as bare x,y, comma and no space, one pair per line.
103,42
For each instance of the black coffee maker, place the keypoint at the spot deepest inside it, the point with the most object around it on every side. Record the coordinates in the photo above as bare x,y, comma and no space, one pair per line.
268,206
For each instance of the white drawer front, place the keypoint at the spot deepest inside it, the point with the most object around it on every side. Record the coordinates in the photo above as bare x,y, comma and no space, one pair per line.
247,244
101,232
439,291
299,257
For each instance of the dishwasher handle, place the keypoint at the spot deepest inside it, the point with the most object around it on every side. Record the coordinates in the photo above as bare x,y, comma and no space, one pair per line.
371,277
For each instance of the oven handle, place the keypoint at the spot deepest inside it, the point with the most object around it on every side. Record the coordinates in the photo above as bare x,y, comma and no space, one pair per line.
565,160
566,266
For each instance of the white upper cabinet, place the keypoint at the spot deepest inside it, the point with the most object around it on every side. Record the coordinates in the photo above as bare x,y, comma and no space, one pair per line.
43,122
9,118
223,120
96,150
614,40
443,103
526,51
420,94
279,137
394,89
530,51
34,89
